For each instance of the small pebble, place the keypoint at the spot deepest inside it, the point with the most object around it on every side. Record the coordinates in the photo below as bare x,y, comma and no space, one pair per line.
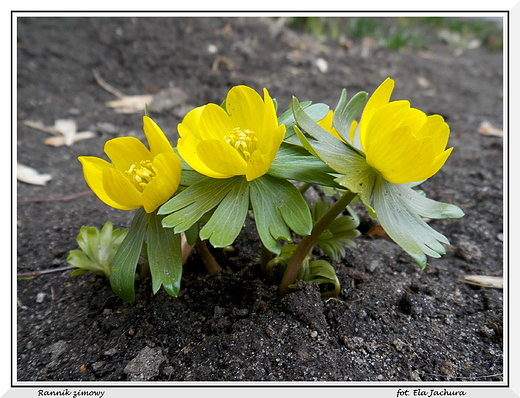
212,48
322,65
40,297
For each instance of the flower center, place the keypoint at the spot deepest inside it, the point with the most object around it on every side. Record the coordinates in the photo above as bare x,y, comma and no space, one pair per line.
244,141
141,172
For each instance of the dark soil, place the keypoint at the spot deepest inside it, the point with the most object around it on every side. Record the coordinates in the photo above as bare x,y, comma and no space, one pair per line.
392,320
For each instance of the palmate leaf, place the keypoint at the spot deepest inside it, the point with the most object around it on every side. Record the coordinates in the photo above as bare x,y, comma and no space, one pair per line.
229,198
164,254
357,175
399,209
340,231
315,111
278,207
346,112
295,163
124,264
191,204
228,219
322,273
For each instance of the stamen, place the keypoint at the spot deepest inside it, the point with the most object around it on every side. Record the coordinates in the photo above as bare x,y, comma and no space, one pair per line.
244,141
141,172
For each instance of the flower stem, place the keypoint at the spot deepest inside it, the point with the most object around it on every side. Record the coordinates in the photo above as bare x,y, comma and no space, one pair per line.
207,258
307,243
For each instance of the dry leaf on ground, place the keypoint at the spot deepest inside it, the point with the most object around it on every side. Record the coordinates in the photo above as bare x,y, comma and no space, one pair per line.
31,176
487,128
496,282
64,131
163,100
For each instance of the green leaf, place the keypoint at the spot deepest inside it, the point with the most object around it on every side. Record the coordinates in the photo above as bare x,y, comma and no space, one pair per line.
191,204
190,177
80,259
278,207
122,270
192,234
97,249
399,209
295,163
357,175
341,230
345,113
164,256
315,111
321,272
228,219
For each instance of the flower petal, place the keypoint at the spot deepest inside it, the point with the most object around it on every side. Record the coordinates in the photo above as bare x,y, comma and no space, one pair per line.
246,108
120,190
157,141
93,172
378,99
438,129
257,165
190,123
326,123
214,123
125,151
167,166
222,159
187,147
415,119
383,123
270,121
438,163
401,158
276,140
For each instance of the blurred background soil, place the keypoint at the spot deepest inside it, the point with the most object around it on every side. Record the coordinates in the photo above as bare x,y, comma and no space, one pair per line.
391,322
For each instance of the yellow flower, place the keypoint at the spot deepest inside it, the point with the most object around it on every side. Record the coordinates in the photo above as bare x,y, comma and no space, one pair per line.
402,143
138,176
243,139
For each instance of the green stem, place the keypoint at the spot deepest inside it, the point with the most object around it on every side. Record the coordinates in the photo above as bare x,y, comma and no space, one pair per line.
207,258
265,256
307,243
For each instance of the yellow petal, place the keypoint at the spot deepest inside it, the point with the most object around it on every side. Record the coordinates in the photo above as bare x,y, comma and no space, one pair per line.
415,119
157,141
187,147
222,159
257,165
353,127
214,123
246,108
121,190
270,121
326,122
167,166
438,163
276,140
190,123
384,122
438,129
401,158
378,99
93,173
125,151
